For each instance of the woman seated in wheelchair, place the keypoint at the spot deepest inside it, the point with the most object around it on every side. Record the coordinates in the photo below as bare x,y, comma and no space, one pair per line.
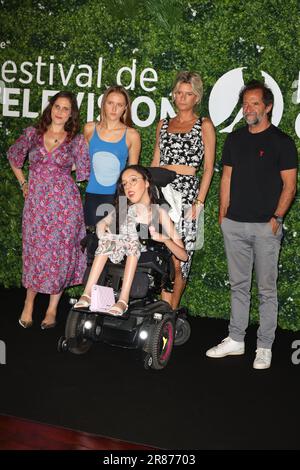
139,205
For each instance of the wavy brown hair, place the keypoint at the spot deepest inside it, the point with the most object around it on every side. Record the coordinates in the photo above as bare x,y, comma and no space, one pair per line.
126,117
72,126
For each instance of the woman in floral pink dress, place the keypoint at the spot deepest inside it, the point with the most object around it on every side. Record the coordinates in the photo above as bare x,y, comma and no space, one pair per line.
53,223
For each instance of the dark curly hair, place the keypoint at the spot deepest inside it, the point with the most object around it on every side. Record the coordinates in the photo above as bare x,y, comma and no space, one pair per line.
72,125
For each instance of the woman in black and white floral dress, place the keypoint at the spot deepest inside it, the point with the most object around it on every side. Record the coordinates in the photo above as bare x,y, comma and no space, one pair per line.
181,144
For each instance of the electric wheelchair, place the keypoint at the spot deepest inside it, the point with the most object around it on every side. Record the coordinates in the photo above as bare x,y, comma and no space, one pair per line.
149,325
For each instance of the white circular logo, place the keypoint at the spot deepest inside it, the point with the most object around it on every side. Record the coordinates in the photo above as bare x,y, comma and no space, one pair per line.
106,168
224,97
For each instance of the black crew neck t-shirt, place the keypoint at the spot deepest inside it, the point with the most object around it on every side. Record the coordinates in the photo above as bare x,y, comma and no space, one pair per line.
256,161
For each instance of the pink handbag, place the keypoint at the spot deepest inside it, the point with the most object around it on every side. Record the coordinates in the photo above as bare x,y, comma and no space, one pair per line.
102,298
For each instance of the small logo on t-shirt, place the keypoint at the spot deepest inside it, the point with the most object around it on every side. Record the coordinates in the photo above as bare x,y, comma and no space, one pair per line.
261,153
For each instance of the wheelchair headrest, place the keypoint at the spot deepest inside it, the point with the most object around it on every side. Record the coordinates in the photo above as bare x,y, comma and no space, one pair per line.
161,176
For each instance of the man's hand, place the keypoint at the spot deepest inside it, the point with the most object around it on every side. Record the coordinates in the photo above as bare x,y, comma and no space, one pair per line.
274,224
221,217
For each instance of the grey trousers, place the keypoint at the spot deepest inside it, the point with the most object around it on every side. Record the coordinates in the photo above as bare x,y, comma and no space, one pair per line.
248,245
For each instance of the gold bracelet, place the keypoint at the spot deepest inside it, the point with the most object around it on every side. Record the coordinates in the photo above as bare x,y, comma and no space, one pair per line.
198,202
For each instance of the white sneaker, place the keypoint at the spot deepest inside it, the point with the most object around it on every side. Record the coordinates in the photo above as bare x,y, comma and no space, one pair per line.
228,347
263,358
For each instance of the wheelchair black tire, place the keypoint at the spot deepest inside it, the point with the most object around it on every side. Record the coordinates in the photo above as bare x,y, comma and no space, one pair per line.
182,331
160,351
72,331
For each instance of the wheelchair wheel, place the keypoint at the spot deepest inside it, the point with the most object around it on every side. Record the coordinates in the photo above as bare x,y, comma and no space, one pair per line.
77,344
183,331
161,343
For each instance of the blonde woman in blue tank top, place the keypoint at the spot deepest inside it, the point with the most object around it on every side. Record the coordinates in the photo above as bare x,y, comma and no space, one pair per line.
181,144
112,144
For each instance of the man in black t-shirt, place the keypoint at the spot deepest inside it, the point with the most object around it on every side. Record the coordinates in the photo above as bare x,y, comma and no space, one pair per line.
257,187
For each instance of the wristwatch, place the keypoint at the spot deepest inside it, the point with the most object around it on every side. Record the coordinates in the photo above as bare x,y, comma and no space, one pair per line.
278,218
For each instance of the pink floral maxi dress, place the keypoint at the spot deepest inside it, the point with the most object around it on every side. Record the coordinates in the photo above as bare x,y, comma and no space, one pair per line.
53,223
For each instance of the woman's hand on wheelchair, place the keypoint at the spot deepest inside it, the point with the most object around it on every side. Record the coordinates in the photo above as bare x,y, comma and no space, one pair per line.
156,236
101,228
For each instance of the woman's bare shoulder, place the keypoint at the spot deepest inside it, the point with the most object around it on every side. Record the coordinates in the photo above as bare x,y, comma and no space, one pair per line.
132,132
207,123
89,129
133,135
89,126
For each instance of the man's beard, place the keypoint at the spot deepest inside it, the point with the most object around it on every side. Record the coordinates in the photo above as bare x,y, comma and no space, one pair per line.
253,121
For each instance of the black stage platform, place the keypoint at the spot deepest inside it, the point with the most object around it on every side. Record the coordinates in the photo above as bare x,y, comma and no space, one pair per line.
195,403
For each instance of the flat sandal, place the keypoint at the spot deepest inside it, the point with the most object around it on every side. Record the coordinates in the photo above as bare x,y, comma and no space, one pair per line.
117,311
82,303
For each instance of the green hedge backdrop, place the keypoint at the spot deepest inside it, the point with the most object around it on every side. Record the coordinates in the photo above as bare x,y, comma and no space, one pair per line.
211,37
